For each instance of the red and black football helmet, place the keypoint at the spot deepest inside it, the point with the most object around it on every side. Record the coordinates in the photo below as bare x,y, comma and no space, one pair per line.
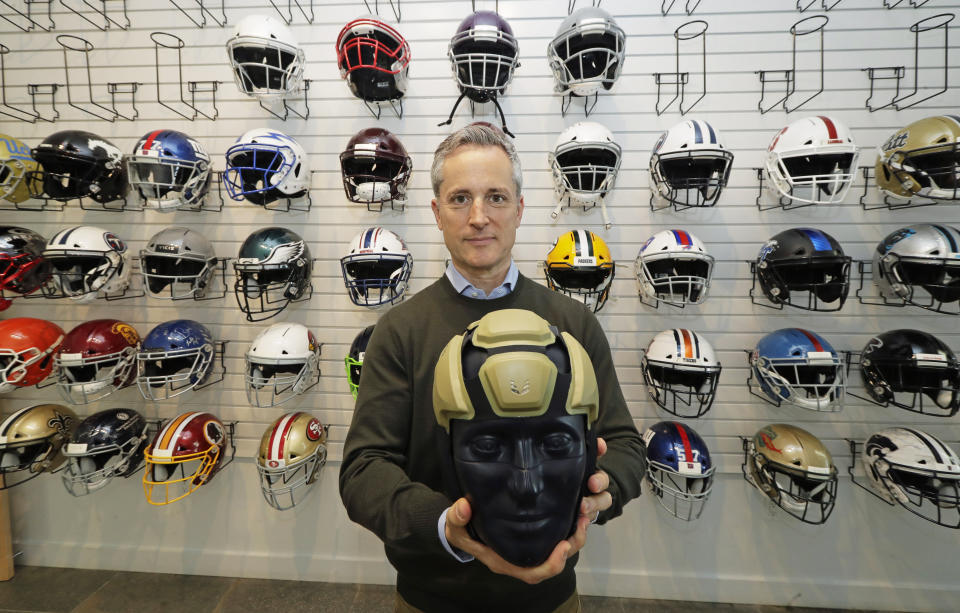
96,359
375,168
22,267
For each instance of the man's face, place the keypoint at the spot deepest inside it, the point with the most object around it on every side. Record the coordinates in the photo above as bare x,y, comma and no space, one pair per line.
478,210
523,478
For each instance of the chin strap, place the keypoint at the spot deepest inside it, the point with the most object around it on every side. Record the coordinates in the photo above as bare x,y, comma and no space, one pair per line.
456,104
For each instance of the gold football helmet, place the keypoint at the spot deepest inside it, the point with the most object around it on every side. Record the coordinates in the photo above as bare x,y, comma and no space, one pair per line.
292,452
31,442
795,470
580,266
15,162
922,159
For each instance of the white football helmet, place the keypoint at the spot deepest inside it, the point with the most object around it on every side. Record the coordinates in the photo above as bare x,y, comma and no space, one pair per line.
689,165
377,267
282,362
266,165
673,266
585,162
812,161
681,371
86,261
266,59
587,52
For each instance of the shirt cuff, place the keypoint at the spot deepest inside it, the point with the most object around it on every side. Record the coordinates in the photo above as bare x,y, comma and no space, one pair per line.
461,556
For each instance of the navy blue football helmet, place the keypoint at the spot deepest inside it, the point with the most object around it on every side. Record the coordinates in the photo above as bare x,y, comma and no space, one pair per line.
169,170
175,357
799,367
679,468
105,445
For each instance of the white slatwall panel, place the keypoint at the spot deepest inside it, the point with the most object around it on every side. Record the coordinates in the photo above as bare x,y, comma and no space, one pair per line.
229,530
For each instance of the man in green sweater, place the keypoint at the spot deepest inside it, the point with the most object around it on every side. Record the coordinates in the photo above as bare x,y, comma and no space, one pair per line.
390,478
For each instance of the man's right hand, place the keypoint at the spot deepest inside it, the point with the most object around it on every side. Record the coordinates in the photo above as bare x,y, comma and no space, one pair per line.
458,516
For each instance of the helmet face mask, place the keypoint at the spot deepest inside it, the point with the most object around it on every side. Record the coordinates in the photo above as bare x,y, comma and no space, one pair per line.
292,451
186,453
374,59
178,263
174,358
919,265
282,363
27,350
169,170
580,266
587,52
96,359
31,442
267,61
922,159
674,267
804,268
681,371
483,54
799,367
679,469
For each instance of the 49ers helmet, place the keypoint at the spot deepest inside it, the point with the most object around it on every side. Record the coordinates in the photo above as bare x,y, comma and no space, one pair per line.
27,349
922,159
293,449
96,359
31,442
580,266
186,452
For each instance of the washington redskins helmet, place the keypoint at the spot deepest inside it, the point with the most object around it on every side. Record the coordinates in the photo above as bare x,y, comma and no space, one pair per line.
580,266
186,452
375,168
17,166
96,359
922,159
293,449
27,349
31,442
812,161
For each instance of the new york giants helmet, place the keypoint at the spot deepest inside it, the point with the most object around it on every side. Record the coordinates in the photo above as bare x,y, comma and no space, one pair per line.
169,170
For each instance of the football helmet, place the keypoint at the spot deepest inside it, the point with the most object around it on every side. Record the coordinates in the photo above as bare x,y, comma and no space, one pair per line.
689,166
679,468
354,359
96,359
169,170
584,163
587,52
374,59
579,265
799,367
174,358
794,469
377,268
921,256
177,263
267,61
483,54
31,442
264,166
804,268
673,266
911,370
104,445
86,262
293,449
27,349
186,452
916,470
812,161
273,269
282,362
16,166
78,164
22,267
681,371
922,159
375,167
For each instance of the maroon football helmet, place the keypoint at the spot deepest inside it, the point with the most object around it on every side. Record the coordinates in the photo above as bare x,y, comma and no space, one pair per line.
96,359
375,167
186,452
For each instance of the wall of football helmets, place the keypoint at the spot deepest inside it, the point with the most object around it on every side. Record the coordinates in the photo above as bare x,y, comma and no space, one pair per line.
207,205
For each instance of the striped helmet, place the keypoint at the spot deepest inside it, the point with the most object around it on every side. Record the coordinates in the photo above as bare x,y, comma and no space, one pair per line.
920,265
799,367
681,370
580,266
673,266
185,454
804,268
689,165
292,452
812,161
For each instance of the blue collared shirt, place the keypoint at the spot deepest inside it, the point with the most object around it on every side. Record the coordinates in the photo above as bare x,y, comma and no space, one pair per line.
465,288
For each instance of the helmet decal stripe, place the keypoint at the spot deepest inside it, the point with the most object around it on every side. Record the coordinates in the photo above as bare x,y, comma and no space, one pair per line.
697,132
150,138
713,135
696,344
682,237
931,444
575,235
585,244
279,436
65,235
171,432
687,450
676,337
947,235
832,136
687,345
813,339
818,238
9,421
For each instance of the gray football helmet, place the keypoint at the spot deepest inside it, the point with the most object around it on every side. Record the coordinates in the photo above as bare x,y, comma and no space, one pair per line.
177,263
587,53
923,256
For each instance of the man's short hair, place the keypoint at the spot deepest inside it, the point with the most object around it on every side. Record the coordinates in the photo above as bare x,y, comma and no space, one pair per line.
484,135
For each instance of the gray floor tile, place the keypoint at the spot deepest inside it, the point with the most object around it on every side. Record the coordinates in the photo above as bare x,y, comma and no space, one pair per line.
270,596
53,590
374,599
601,604
155,593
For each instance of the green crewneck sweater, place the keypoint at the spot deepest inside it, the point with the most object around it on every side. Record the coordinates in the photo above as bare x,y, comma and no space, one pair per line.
390,478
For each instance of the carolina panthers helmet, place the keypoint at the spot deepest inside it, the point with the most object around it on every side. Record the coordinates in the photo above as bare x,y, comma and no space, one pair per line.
920,265
799,367
679,468
169,170
922,159
377,268
690,166
273,269
264,166
174,358
681,370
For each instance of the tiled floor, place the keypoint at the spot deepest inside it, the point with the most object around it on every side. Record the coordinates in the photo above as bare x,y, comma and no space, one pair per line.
62,590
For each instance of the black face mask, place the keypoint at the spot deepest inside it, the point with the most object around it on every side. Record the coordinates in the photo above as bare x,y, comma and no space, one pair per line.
524,479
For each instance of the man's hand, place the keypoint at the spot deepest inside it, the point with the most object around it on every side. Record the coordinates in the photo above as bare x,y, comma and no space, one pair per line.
459,513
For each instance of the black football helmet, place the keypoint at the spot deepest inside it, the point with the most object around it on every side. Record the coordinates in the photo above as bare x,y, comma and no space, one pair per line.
78,164
105,445
804,268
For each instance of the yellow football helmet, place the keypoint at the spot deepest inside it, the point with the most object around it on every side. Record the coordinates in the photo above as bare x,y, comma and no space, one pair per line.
16,162
794,469
292,452
32,440
922,159
580,266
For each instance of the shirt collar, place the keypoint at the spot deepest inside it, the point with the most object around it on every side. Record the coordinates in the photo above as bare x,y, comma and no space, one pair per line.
465,288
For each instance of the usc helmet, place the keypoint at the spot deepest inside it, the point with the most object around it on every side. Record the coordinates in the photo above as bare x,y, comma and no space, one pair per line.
186,453
293,449
96,359
580,266
31,442
922,159
16,162
794,469
27,348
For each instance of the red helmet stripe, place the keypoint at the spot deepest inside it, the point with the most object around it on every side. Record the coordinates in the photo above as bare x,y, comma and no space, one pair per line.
682,237
286,430
150,138
687,450
811,338
832,136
